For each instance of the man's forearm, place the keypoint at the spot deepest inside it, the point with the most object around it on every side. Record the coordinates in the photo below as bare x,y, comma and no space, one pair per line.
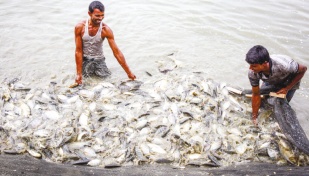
297,78
121,60
79,63
256,103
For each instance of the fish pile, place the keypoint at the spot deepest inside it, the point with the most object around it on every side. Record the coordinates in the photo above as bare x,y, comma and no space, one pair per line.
169,118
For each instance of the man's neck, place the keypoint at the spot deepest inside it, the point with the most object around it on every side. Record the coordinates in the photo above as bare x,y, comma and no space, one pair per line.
90,23
267,69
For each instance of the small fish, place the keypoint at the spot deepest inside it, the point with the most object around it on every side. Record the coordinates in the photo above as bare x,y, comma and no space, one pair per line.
11,152
166,70
34,153
287,151
111,163
130,85
94,162
20,87
52,115
215,145
140,155
81,162
241,148
73,85
149,74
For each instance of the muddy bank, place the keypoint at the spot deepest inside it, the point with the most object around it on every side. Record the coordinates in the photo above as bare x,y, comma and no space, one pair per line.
27,165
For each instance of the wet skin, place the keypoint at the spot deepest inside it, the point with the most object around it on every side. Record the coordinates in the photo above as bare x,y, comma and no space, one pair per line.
96,18
265,69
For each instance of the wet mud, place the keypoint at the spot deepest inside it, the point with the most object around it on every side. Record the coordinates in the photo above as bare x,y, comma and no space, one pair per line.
27,165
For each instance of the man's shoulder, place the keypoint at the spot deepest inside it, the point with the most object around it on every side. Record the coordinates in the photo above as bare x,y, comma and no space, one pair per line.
106,31
280,57
283,63
105,26
81,24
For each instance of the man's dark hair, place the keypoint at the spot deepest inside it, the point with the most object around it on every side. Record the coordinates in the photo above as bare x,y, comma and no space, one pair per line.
96,5
257,55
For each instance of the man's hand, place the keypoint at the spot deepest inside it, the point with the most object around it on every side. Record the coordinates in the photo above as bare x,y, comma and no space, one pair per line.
254,122
78,79
131,76
254,119
282,91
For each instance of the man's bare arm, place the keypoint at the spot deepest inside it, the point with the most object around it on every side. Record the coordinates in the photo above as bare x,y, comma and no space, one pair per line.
299,75
107,32
79,52
256,103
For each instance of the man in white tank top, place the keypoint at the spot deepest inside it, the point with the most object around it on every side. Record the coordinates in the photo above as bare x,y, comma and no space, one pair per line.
89,36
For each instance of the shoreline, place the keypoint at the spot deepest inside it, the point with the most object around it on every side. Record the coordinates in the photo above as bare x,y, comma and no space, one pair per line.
27,165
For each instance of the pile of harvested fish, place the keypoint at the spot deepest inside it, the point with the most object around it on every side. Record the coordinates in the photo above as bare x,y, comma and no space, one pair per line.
168,118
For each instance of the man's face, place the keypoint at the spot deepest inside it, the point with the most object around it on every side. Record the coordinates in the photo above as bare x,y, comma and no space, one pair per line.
257,68
96,16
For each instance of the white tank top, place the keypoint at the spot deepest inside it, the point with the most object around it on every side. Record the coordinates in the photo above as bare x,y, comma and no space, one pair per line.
93,45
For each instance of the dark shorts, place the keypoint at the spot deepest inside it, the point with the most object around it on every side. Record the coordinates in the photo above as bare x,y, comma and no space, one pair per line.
95,67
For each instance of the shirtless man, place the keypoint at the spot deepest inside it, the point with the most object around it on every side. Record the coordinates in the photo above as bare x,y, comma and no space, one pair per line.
279,73
89,37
